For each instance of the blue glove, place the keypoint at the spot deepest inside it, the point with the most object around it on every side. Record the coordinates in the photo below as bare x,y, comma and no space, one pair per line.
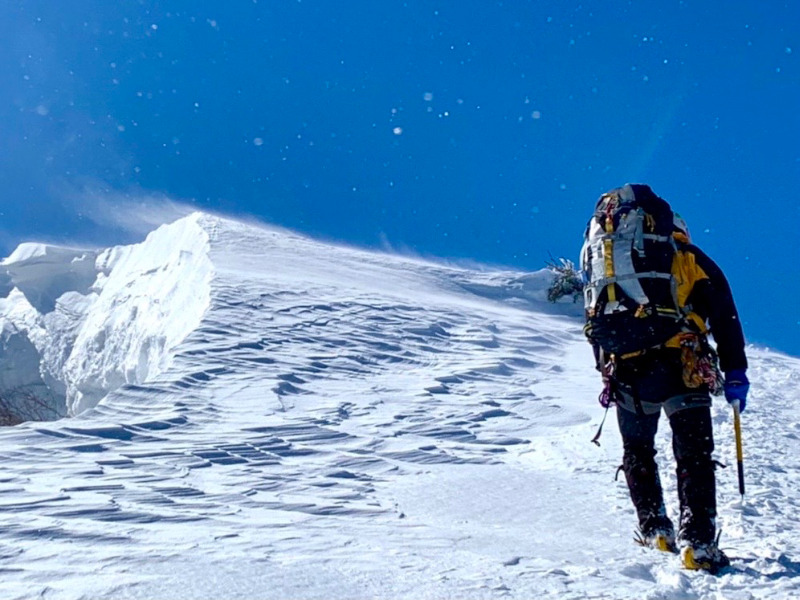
736,387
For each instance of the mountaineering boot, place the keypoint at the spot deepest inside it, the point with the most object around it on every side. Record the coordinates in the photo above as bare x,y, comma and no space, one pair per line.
661,538
663,541
706,557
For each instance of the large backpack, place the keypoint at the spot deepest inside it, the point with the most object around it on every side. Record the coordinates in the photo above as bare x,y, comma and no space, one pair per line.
630,294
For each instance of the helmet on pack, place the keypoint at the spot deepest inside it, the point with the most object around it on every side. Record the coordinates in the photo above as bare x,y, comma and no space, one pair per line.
680,225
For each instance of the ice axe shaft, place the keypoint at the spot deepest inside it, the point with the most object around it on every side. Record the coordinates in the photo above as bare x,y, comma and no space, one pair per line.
737,427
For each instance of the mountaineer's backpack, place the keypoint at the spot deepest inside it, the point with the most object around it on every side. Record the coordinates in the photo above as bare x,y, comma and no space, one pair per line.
630,294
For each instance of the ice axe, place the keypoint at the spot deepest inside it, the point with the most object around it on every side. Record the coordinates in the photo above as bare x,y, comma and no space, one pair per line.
737,427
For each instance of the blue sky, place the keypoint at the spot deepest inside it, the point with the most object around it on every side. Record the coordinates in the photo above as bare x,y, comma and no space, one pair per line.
470,129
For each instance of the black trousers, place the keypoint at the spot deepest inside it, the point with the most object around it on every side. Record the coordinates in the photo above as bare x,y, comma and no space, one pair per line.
692,445
645,386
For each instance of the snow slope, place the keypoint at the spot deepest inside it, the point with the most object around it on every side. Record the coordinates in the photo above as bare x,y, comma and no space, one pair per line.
261,415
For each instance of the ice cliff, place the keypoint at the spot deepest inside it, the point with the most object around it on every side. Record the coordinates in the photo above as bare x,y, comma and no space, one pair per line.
78,323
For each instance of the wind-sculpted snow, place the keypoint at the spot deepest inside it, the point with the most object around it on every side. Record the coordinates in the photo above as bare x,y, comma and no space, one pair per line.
342,424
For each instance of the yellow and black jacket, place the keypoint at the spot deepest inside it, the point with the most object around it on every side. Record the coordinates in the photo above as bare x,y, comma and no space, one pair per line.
705,293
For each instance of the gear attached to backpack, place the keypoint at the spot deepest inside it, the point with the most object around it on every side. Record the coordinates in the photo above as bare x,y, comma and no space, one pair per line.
630,294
